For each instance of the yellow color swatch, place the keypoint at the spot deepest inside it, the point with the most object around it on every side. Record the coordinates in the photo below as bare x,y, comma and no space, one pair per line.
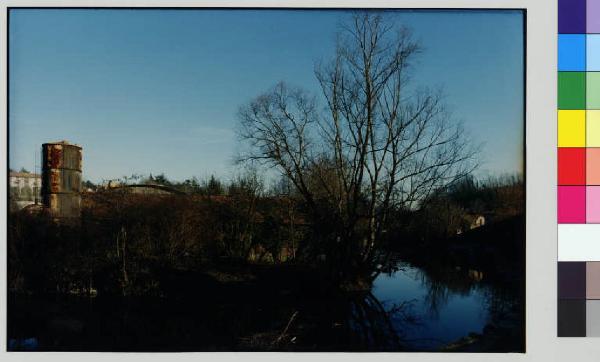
593,128
571,128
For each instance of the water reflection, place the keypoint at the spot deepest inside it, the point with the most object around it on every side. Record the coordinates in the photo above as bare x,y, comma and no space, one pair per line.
449,305
373,323
408,309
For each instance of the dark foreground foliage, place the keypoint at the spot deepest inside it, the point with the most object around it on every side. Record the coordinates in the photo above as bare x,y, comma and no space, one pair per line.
127,243
243,271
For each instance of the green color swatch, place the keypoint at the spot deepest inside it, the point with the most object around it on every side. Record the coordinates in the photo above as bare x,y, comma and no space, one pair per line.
593,90
571,90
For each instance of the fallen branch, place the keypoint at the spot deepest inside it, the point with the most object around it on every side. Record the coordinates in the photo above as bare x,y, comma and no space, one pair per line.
285,329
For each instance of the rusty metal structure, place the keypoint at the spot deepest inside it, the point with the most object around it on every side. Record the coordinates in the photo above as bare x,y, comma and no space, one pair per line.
61,180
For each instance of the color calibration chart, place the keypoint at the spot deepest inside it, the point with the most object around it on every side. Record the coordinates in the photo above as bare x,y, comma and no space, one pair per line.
579,168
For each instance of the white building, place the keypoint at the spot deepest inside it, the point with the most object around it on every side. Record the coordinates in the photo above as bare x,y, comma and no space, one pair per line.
25,188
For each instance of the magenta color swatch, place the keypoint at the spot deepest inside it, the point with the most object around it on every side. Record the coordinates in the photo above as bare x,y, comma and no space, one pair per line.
593,16
571,204
593,204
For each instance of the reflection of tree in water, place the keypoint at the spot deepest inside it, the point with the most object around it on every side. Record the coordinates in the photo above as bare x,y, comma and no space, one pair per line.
378,325
436,297
505,306
371,321
375,325
500,299
441,283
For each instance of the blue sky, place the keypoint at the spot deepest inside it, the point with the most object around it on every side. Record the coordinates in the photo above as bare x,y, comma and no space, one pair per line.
151,91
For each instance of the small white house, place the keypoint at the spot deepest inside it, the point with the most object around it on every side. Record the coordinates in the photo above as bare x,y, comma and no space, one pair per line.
25,188
471,221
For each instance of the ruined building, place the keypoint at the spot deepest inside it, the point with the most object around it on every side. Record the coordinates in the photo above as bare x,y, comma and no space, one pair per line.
61,180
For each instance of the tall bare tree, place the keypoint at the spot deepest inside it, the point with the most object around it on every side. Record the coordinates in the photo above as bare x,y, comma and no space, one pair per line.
378,147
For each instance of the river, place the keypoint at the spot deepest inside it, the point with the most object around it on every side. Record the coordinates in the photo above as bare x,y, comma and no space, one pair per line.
409,309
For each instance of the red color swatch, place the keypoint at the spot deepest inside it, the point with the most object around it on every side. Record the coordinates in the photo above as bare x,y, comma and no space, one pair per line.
571,166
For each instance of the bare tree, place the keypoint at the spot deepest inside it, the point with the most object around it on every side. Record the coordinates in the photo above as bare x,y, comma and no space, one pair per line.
378,147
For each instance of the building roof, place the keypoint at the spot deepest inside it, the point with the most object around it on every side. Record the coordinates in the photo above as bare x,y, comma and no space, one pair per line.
63,142
25,174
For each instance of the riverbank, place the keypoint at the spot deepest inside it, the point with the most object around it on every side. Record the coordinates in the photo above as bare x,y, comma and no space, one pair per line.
496,250
239,307
140,302
226,315
229,307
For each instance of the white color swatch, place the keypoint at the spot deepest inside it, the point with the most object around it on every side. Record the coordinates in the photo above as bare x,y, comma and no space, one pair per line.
579,242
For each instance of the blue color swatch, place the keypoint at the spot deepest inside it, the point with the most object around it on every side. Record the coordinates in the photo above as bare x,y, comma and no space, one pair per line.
571,52
593,52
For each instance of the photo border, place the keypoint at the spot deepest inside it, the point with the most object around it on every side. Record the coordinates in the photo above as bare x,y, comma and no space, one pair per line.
540,171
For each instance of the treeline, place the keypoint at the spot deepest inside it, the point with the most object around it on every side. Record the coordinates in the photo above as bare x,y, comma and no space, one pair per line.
136,244
128,243
462,206
209,186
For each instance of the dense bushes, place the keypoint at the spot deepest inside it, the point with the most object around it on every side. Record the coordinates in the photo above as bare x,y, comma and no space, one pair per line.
126,242
452,211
